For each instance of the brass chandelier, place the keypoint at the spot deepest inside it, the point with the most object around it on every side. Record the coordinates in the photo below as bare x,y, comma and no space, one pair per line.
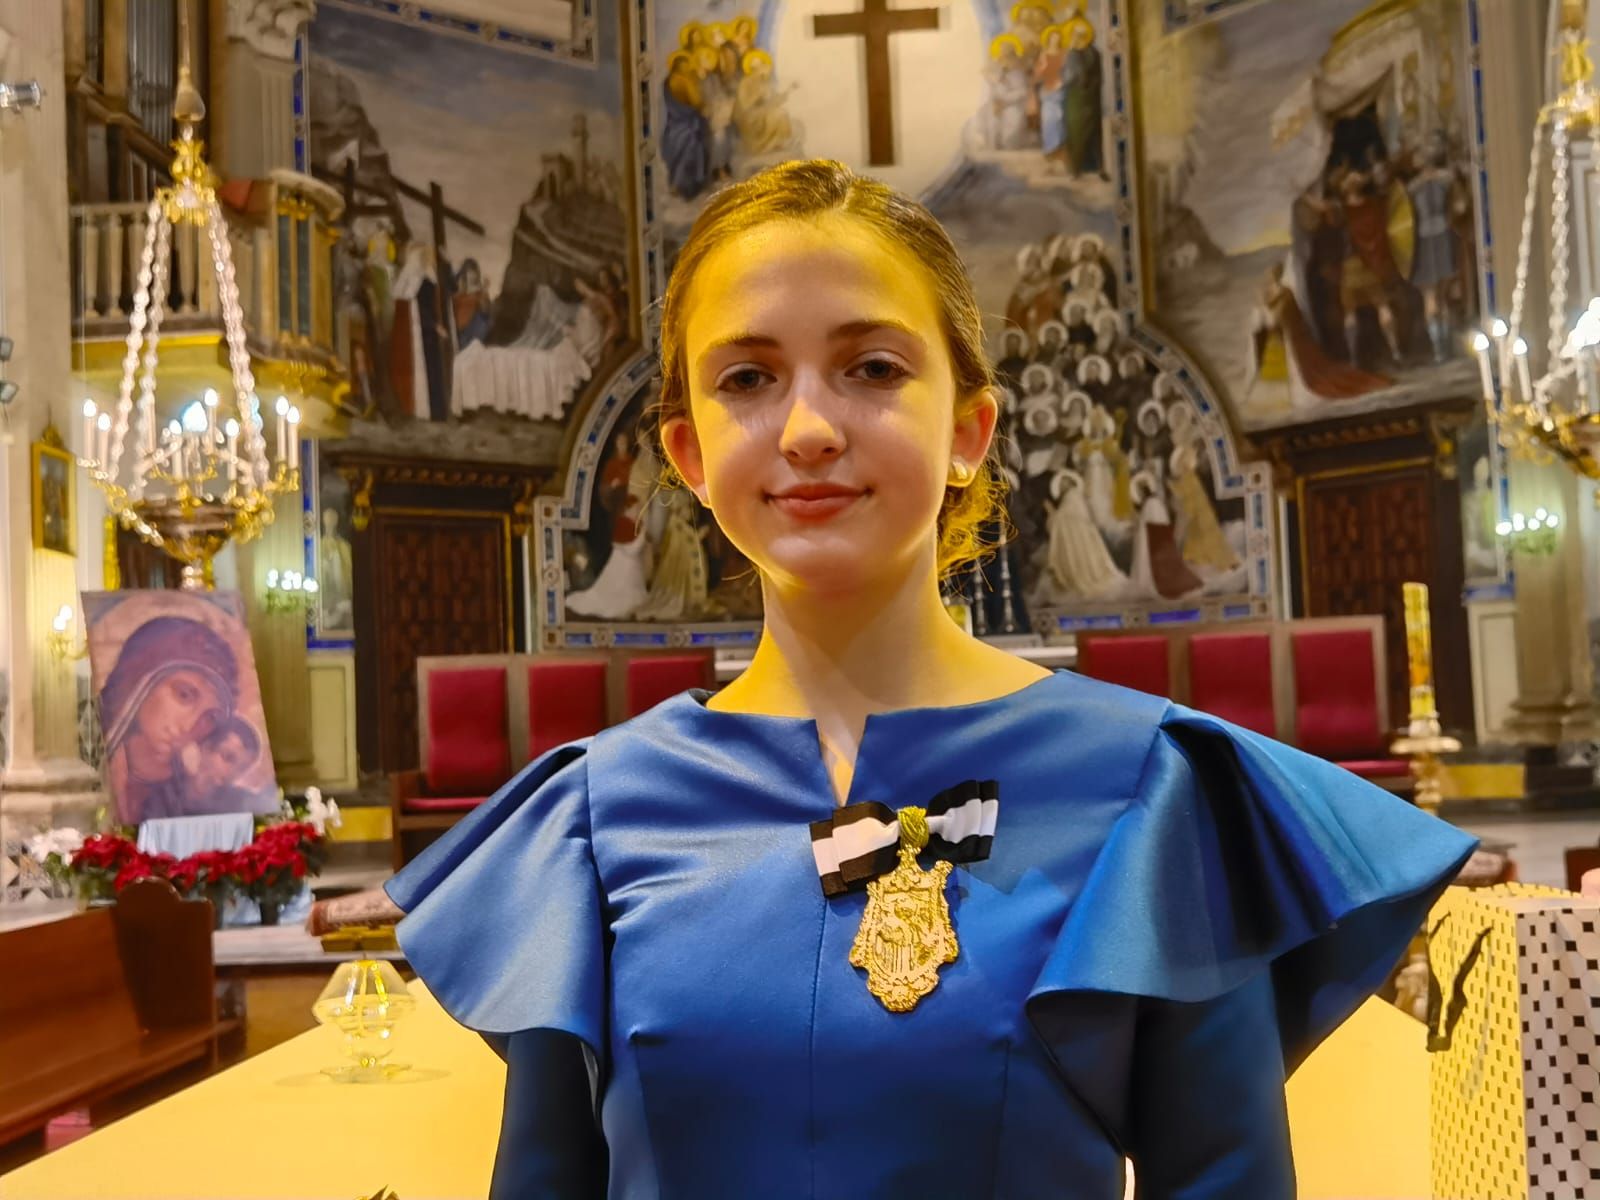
1554,416
204,478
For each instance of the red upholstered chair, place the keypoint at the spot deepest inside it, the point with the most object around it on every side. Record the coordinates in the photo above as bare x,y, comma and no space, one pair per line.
1230,676
1336,707
566,700
652,678
1143,662
467,755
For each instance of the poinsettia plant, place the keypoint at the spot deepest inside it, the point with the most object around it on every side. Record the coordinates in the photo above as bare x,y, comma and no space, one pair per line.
269,870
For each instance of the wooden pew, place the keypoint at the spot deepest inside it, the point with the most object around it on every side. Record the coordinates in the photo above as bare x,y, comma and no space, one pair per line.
99,1002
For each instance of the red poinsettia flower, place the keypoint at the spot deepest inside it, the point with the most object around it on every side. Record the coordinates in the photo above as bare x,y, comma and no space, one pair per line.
185,875
136,868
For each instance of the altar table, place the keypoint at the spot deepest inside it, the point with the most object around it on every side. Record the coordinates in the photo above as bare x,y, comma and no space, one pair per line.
275,1127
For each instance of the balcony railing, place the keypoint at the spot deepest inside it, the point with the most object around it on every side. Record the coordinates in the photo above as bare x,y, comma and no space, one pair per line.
281,235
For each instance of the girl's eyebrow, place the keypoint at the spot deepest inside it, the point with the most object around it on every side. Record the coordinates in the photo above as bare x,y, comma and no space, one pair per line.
850,329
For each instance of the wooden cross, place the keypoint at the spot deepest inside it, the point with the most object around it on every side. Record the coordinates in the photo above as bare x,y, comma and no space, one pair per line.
875,22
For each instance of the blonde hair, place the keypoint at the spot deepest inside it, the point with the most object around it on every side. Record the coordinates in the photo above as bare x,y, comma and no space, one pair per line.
801,190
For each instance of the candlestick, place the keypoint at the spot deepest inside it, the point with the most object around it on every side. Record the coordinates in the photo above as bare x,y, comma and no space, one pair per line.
282,409
89,414
103,424
294,439
1419,652
211,415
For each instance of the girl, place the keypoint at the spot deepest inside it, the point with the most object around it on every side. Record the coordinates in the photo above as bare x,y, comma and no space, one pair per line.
895,913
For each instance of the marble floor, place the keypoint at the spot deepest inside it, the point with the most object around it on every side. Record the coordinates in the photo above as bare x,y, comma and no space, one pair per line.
1538,841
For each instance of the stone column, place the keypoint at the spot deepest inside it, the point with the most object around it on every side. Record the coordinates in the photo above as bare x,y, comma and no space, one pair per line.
42,779
1555,701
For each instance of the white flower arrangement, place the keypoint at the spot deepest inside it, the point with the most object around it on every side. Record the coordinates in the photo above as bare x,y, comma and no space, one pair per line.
53,850
63,843
322,814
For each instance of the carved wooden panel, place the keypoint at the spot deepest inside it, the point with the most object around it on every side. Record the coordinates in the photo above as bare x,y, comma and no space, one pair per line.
1366,534
439,587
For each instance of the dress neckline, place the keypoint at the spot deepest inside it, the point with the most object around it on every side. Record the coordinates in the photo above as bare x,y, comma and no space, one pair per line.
699,696
877,732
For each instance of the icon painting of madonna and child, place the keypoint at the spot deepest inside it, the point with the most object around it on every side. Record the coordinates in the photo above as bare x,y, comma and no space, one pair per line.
180,704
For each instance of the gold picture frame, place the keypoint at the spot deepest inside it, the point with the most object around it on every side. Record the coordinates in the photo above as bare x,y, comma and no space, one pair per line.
54,495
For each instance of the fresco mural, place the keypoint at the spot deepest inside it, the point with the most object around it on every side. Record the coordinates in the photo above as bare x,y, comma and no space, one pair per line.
1009,149
1307,213
651,554
481,283
1010,153
1114,487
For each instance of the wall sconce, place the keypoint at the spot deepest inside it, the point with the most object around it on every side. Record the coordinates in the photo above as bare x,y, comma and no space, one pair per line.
289,592
1530,535
62,635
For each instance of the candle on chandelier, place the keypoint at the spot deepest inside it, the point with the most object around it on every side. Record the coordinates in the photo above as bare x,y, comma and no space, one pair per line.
175,462
294,438
1480,346
1519,350
103,424
282,409
89,413
211,399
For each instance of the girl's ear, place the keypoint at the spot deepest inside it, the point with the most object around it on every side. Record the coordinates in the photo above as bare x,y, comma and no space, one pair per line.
974,426
682,445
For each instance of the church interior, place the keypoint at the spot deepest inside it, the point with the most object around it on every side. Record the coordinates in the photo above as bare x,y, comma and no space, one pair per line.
328,364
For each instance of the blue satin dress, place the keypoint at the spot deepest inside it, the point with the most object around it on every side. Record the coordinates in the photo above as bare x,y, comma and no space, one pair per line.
1174,913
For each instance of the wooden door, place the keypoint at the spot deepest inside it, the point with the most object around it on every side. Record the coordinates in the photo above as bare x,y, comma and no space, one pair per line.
1365,533
440,585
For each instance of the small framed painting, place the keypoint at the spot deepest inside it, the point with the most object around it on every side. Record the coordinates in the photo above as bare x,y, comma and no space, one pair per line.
52,496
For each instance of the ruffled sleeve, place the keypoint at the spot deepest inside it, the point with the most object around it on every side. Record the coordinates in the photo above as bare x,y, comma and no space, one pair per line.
1240,855
504,918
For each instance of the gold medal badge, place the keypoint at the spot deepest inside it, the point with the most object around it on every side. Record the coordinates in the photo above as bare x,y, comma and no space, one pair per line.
905,934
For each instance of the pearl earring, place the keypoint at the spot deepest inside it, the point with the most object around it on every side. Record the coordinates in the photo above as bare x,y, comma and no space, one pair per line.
960,473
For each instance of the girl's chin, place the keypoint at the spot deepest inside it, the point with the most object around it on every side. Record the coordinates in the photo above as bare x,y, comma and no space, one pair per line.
826,570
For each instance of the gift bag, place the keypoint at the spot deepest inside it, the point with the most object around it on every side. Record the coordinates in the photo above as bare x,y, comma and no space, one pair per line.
1514,1078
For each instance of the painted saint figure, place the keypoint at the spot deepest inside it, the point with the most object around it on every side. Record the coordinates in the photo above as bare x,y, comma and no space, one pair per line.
1158,567
1082,76
1078,561
1010,95
1050,82
1201,537
1438,199
686,138
758,112
678,586
1285,350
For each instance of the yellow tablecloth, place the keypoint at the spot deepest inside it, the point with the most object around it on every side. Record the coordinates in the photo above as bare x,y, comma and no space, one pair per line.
275,1127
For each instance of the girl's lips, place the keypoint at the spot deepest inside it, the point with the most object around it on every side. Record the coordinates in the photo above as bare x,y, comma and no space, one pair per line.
820,509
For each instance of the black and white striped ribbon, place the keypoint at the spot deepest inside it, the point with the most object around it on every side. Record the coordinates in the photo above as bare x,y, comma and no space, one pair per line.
862,841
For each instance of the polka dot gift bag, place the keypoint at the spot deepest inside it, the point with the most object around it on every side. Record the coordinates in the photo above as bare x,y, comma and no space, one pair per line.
1514,1006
